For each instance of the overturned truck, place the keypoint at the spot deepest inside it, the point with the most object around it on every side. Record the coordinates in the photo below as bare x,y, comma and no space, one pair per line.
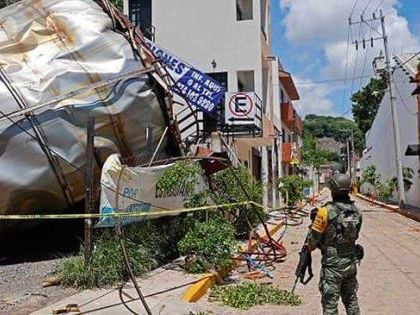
60,63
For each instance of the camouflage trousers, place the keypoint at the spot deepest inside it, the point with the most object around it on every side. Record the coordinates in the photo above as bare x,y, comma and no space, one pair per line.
339,282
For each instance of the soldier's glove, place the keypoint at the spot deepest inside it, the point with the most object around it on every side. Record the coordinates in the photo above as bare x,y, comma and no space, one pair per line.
360,252
313,214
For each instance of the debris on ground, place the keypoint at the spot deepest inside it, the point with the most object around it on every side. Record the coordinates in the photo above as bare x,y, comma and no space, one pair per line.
249,294
51,281
69,308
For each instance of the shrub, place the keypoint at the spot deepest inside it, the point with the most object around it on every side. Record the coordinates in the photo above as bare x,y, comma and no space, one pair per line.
249,294
291,188
370,176
209,243
183,175
227,189
386,190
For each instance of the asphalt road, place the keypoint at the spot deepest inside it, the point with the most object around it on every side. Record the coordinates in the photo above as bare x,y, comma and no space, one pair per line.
389,276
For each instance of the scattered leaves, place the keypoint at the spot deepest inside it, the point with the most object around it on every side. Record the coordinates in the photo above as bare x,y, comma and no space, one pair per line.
249,294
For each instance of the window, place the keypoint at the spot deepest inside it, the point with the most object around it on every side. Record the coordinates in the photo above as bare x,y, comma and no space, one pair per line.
282,95
246,81
244,10
283,136
140,12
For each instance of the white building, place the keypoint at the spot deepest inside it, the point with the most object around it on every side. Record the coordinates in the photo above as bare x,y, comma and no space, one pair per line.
231,40
380,145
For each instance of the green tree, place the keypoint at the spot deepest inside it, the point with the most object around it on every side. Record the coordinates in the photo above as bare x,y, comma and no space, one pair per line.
312,154
291,188
366,103
338,128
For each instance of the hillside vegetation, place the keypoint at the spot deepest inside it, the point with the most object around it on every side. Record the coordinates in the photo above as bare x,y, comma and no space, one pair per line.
338,128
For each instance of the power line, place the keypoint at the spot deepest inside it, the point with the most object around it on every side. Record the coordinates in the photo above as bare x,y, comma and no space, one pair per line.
354,7
365,59
355,61
403,101
364,10
379,5
411,58
346,67
332,80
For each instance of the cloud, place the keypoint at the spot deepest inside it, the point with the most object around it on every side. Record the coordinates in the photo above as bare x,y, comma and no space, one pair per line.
324,24
314,98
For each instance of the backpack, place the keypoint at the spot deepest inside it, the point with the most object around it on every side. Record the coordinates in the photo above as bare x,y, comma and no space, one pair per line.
345,224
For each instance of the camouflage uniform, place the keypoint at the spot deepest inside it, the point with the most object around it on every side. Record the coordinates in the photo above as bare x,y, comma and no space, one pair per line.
335,231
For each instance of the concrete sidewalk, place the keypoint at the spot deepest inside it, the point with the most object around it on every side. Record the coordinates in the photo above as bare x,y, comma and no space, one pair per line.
162,287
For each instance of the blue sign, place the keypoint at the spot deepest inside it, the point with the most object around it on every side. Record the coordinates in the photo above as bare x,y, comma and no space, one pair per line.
200,90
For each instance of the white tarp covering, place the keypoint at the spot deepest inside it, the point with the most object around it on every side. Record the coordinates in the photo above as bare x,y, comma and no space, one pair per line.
51,48
133,189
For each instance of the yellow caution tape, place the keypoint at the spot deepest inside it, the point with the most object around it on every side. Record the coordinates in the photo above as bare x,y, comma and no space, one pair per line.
123,214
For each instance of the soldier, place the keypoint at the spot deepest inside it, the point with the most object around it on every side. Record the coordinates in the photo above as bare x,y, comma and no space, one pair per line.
334,231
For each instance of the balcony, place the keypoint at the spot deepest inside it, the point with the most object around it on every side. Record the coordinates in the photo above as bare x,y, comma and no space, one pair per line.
290,118
291,153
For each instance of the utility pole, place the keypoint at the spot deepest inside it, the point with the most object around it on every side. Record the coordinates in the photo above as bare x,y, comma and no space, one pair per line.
395,124
352,157
348,158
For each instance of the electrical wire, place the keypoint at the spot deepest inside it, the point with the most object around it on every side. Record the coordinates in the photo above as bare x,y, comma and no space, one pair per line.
365,59
346,68
367,5
354,7
355,62
331,80
379,5
411,58
408,110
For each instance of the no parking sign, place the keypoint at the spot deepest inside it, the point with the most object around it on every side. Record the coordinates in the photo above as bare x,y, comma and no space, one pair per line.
240,108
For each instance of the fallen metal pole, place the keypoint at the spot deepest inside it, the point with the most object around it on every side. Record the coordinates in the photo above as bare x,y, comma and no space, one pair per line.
158,146
89,188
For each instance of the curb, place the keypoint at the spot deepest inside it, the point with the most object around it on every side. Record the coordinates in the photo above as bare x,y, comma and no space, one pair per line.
406,213
200,288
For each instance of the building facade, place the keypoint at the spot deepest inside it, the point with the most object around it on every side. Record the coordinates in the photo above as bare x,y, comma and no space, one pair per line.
381,153
231,40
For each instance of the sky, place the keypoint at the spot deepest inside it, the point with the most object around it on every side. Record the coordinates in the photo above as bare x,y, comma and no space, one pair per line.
311,36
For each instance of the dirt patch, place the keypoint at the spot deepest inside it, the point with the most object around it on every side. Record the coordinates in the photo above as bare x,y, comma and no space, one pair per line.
21,290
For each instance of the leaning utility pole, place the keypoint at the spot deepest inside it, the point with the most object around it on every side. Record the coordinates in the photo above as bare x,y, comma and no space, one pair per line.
352,155
395,124
348,157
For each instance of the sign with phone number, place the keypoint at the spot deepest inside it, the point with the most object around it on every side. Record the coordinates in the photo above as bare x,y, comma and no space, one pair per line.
199,89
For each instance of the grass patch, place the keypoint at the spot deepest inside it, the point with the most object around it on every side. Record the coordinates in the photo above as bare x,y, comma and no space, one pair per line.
149,244
249,294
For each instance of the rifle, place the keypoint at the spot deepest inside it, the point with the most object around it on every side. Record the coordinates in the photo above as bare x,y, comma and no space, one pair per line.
305,263
305,260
